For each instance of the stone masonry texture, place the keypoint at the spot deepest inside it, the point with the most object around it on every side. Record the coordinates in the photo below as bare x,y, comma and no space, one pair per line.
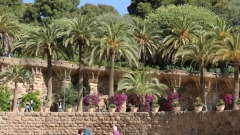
162,123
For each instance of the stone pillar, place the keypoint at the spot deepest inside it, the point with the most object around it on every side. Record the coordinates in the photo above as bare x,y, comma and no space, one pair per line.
93,82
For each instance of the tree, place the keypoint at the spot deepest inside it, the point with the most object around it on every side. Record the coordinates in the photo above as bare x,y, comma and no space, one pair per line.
197,51
17,74
114,42
147,38
8,30
79,34
182,32
142,84
47,41
229,51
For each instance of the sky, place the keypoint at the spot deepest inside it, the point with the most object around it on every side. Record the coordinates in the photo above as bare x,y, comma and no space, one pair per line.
119,5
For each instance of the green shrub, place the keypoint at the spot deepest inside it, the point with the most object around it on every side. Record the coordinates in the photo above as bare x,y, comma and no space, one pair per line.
34,97
71,95
4,98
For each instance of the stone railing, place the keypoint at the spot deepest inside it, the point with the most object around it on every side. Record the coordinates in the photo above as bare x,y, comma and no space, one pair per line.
162,123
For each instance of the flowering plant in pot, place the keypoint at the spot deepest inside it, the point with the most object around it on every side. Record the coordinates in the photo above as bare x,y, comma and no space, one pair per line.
119,100
228,99
155,106
176,105
220,105
238,103
68,108
134,108
198,104
21,107
112,108
91,108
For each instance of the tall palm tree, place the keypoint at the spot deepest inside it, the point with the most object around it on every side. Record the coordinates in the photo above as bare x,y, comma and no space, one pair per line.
114,41
8,30
197,51
79,34
47,41
229,51
182,32
17,73
142,84
147,38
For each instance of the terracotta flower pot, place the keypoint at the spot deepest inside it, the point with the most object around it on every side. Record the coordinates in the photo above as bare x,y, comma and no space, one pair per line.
134,109
220,107
155,109
91,109
68,109
45,109
112,109
21,109
177,109
198,108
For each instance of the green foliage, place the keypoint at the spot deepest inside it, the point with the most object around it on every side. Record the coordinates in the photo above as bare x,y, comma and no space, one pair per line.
91,106
34,97
112,106
238,101
155,104
22,105
71,95
4,98
198,102
175,103
220,102
68,106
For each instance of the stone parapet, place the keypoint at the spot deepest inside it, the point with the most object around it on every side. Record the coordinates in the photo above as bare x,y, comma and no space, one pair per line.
162,123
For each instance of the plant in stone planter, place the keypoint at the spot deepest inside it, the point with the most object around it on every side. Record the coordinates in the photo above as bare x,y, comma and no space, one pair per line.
91,108
134,108
220,105
46,107
176,105
155,106
112,108
21,107
238,103
68,108
198,104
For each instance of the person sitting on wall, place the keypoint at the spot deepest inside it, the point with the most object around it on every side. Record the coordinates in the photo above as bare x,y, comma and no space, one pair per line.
32,105
5,53
86,130
27,107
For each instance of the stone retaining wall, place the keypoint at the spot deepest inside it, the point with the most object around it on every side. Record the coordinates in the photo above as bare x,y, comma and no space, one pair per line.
163,123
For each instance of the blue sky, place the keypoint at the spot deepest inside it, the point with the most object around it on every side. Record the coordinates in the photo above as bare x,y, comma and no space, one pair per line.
119,5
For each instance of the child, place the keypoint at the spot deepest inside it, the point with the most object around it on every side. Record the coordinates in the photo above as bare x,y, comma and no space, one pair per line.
80,132
115,131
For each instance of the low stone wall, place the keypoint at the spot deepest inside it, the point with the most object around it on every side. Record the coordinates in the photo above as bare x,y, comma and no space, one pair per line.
163,123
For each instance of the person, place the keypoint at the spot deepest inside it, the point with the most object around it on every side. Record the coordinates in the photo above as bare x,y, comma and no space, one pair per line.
27,107
60,107
115,131
6,53
80,132
86,130
32,105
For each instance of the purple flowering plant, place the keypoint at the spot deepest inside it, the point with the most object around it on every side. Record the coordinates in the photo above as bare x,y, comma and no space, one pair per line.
119,99
228,99
91,100
148,99
171,97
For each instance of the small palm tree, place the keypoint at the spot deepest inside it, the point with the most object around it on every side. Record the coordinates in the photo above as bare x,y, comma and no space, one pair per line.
197,52
141,84
114,42
17,73
8,29
229,51
79,34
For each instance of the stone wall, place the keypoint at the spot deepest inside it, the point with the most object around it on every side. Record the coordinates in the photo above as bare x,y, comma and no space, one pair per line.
182,123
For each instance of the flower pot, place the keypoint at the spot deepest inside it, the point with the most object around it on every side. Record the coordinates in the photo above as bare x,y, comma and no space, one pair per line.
238,106
134,109
220,107
155,109
45,109
198,108
68,109
91,109
21,109
112,109
177,109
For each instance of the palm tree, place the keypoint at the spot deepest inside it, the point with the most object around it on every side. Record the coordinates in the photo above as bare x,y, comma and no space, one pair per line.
47,41
197,52
229,51
142,84
79,34
147,38
182,32
17,73
8,30
114,42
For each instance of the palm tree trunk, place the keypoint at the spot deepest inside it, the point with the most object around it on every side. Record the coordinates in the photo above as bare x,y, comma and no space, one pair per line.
236,85
15,97
49,88
80,79
202,85
111,79
142,104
